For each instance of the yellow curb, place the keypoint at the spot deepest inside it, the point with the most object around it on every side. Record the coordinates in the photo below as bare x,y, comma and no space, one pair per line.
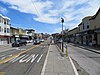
7,59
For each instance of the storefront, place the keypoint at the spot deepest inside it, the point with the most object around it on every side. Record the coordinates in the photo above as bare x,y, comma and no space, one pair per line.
4,40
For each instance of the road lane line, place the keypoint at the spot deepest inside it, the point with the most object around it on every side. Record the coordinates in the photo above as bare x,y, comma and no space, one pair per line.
23,59
75,70
45,62
39,58
34,58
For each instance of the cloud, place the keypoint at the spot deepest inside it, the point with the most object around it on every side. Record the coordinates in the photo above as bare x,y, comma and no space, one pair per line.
57,30
50,11
3,10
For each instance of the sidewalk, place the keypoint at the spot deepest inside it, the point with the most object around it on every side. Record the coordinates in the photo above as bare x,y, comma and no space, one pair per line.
90,48
5,46
56,64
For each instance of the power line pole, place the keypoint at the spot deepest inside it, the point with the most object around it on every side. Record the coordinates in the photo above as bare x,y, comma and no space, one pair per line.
62,21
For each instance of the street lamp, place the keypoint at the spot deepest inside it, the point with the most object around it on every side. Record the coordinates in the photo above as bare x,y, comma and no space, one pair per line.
62,21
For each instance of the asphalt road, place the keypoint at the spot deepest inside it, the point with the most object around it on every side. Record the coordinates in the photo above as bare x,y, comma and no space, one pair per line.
27,63
88,60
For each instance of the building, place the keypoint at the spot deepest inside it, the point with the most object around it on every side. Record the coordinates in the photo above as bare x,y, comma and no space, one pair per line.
4,30
95,27
72,35
14,33
30,33
85,32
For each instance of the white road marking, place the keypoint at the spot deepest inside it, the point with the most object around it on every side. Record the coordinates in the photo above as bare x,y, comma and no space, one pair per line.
23,59
3,58
23,49
34,58
39,58
18,58
45,62
30,58
10,55
75,70
20,49
13,59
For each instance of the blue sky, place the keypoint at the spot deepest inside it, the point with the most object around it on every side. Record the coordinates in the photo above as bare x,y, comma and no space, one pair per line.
45,15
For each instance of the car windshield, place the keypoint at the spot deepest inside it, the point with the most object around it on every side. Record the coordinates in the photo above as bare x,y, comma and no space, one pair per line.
49,37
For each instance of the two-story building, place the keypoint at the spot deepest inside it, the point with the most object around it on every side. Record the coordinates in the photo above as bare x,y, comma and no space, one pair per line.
95,27
4,30
85,32
88,31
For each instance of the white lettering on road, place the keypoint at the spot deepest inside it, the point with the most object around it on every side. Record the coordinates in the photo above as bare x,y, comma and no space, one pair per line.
39,58
34,58
23,59
16,59
3,58
26,58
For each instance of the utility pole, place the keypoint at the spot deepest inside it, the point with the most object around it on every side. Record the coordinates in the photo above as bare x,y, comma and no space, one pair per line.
62,21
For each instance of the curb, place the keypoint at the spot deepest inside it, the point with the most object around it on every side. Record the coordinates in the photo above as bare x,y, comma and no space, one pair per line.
71,61
88,49
62,54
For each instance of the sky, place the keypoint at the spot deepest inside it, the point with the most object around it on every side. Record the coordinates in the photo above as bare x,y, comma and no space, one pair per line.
44,16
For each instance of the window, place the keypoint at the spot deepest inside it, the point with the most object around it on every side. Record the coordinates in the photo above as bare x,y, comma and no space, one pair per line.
8,30
83,26
4,21
0,28
4,30
87,26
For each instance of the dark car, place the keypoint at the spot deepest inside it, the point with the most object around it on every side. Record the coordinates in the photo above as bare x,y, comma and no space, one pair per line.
19,43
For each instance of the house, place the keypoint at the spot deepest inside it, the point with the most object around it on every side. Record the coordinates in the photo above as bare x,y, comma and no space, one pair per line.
4,30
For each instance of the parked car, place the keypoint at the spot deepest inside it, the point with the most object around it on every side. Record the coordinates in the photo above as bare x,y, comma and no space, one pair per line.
41,40
19,43
36,41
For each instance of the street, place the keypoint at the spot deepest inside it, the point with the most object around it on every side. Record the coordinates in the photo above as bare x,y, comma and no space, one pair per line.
88,60
19,62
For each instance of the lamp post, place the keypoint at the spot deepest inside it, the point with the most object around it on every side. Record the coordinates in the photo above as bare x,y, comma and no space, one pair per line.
62,21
